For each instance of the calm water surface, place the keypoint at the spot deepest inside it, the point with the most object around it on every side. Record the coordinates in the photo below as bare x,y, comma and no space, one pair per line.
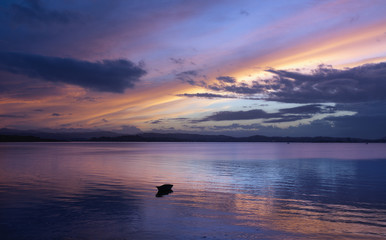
221,191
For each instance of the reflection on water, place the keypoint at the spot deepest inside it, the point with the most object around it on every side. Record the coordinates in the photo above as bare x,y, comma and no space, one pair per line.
221,191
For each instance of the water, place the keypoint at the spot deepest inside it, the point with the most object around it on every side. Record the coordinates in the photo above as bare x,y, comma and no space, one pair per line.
221,191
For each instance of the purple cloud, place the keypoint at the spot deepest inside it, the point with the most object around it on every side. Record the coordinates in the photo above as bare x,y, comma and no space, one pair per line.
284,115
11,116
33,11
188,76
179,61
325,84
204,95
226,79
104,76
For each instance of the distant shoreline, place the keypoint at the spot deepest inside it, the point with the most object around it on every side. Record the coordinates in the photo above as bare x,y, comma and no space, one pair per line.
176,137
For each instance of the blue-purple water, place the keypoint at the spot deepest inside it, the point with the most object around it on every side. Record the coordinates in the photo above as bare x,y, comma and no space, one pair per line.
221,191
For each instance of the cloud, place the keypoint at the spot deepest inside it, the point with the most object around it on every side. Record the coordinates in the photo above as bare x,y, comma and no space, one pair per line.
201,128
359,126
56,114
179,61
239,88
167,120
324,84
188,76
226,79
284,115
289,118
204,95
129,129
104,76
11,116
344,126
372,127
244,12
156,122
238,115
32,11
86,99
236,126
311,109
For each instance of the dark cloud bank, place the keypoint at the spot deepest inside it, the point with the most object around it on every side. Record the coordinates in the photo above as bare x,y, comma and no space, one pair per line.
360,90
32,11
324,84
284,115
104,76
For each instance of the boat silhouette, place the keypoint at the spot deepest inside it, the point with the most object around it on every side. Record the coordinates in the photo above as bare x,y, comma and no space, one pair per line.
164,190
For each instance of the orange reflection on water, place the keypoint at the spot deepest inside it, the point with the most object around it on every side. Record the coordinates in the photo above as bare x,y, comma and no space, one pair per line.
291,217
310,218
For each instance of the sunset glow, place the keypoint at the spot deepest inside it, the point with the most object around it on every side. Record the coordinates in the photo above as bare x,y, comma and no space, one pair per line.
181,66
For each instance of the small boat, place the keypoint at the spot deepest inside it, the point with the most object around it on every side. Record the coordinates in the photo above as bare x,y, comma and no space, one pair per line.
164,190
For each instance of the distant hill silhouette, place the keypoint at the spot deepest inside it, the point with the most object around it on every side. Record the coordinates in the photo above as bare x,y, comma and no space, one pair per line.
16,135
180,137
10,135
15,138
172,137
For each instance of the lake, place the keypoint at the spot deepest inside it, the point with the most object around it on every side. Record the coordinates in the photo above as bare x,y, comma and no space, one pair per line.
84,190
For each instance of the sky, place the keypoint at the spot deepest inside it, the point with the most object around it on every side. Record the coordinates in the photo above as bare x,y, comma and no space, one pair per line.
239,68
